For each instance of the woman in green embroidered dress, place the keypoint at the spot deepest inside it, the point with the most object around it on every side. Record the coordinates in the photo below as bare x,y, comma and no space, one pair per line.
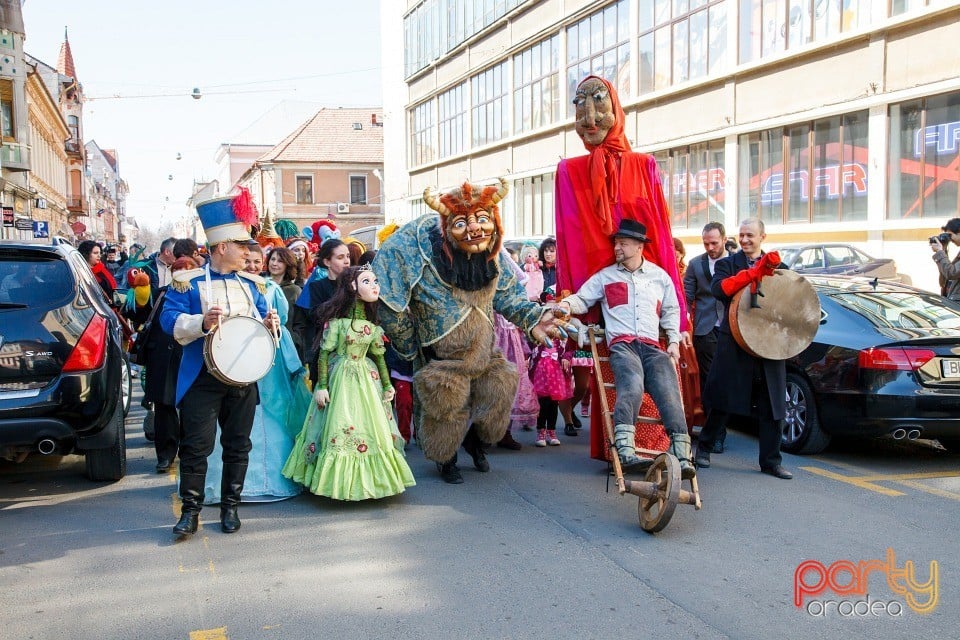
350,447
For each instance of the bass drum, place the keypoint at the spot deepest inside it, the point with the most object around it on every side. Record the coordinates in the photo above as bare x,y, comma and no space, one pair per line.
784,323
240,351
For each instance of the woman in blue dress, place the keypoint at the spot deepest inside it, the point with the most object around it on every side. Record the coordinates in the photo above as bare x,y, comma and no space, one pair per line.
284,400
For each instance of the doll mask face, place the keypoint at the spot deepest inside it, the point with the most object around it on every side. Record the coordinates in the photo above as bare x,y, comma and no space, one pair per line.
594,112
472,232
368,288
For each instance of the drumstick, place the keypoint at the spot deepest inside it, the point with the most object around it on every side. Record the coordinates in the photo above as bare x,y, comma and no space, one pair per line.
275,329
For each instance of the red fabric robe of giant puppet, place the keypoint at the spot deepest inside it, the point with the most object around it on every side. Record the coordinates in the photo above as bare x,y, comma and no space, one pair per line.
593,194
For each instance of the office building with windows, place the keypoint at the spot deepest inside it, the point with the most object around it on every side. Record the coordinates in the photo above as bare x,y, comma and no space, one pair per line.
829,119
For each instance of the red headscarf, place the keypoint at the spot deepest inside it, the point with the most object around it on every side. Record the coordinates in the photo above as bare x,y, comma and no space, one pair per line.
603,163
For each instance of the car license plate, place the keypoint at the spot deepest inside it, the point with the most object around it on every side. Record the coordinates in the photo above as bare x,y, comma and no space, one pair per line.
950,368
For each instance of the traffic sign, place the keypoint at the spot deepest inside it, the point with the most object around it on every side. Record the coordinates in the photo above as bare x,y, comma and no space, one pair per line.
41,229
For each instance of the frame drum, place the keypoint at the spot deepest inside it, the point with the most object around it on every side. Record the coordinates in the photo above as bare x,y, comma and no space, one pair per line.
239,351
785,322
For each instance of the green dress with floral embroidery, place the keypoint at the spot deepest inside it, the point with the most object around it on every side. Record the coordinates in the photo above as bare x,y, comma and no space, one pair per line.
351,449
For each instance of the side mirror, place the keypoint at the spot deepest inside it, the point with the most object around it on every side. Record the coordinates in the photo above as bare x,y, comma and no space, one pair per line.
823,316
798,267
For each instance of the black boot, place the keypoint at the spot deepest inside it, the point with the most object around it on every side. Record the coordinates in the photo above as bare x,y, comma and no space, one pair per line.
449,471
474,446
718,444
508,442
191,495
231,486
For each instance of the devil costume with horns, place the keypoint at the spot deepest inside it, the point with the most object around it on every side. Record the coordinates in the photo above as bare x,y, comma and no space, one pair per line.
441,277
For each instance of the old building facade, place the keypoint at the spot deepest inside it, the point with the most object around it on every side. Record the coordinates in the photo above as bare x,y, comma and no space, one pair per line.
828,120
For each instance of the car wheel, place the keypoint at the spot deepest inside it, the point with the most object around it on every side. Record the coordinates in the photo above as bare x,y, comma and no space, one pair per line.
801,426
110,463
126,386
950,444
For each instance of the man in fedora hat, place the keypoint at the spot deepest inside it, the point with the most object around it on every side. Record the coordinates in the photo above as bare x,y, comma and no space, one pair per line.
637,299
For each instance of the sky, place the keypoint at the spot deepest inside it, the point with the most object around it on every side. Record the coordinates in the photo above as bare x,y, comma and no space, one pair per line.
244,56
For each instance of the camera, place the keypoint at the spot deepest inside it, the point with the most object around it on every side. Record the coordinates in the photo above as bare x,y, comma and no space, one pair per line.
943,238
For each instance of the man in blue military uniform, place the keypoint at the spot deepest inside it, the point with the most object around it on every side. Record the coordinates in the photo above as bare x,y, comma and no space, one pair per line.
198,300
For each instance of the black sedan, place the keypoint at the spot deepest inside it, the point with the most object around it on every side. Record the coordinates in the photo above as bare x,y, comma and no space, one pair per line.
839,259
885,363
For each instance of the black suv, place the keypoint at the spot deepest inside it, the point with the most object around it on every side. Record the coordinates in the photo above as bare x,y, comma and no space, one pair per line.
64,379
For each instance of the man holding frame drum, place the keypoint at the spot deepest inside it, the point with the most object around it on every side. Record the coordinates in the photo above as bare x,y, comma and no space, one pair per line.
199,303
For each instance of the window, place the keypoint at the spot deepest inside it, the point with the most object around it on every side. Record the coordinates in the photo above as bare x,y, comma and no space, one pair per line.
599,45
811,258
902,6
768,27
536,85
925,158
422,134
693,183
453,121
73,123
491,109
358,189
7,128
533,213
808,172
681,40
438,26
304,189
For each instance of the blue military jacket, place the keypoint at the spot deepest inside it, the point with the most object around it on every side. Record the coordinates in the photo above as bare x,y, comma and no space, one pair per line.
186,302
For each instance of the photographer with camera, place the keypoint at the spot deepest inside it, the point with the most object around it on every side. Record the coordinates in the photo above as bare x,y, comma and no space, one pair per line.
949,270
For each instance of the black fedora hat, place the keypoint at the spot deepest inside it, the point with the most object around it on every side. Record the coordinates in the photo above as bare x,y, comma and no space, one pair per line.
632,229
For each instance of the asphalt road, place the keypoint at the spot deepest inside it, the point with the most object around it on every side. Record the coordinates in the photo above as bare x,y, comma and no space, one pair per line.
533,549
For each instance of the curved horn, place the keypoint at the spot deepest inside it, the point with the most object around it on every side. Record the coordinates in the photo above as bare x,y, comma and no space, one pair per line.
502,191
434,203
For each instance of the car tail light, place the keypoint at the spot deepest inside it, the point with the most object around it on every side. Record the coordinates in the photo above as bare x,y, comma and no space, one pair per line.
91,349
895,358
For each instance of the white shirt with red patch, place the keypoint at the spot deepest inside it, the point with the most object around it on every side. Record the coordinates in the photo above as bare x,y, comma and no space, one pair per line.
635,304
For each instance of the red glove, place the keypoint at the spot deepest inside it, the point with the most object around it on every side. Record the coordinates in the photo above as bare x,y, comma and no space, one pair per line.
752,276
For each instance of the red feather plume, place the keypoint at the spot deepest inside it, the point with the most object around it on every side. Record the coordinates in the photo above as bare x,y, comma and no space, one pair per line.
244,208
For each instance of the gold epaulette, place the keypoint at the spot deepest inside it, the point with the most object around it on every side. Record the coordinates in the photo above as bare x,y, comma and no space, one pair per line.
182,280
255,279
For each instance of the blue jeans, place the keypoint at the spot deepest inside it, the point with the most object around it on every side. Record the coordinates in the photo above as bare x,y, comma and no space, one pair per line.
638,366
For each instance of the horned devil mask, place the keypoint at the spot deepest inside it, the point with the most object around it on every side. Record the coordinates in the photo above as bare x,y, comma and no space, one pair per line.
470,217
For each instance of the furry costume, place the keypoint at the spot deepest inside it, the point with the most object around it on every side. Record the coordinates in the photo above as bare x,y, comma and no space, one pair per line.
439,284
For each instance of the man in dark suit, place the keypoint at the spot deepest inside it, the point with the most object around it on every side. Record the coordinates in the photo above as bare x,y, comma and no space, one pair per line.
706,309
739,383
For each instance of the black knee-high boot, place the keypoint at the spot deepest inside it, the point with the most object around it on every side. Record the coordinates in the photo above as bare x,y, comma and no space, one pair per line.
231,486
191,495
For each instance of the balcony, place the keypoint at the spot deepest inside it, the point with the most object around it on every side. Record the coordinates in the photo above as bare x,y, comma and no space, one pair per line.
77,205
73,147
15,156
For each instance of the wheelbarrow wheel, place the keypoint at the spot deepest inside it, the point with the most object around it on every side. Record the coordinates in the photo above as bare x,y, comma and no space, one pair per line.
655,512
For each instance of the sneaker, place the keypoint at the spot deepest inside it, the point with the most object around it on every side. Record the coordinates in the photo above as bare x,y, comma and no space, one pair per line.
541,438
584,410
552,438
